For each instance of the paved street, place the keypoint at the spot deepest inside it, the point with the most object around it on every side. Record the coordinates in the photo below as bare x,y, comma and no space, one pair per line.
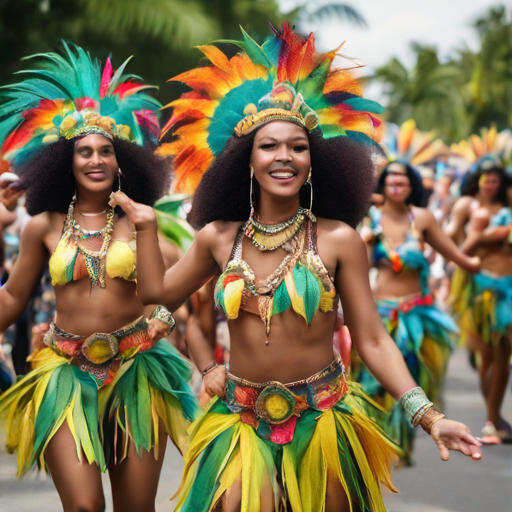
460,485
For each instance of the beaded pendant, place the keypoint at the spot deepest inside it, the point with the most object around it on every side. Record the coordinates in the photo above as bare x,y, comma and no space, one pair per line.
95,260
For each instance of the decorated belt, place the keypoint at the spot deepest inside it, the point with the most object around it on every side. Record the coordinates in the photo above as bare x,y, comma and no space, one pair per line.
277,404
100,354
404,305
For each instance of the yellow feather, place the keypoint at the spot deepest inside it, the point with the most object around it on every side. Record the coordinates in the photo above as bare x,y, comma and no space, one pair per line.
313,475
326,427
290,480
26,440
233,298
297,302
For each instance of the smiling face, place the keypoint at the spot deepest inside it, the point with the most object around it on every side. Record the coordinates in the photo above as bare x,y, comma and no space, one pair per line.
281,158
94,163
397,186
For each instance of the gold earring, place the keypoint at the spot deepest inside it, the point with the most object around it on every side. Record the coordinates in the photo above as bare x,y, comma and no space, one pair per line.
311,188
250,192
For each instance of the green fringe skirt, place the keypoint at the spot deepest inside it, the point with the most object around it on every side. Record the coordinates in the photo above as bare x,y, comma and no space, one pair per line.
147,388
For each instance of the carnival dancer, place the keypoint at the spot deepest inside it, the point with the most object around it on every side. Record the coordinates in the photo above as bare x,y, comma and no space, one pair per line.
104,392
482,302
285,430
396,235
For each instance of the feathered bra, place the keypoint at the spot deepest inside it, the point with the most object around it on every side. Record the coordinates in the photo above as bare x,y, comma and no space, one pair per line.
284,79
69,96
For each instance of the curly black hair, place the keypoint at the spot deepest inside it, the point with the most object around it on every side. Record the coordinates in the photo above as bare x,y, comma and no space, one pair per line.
469,185
342,181
417,195
50,184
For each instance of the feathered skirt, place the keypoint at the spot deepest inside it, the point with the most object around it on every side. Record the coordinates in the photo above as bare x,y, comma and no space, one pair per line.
482,304
287,439
424,334
110,389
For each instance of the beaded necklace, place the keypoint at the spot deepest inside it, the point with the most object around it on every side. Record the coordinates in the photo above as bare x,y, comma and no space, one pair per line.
268,236
95,260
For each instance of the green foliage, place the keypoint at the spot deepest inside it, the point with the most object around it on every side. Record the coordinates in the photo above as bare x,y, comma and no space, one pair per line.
457,97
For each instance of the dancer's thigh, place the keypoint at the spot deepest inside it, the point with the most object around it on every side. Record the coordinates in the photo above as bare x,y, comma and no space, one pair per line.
135,480
336,499
231,501
78,482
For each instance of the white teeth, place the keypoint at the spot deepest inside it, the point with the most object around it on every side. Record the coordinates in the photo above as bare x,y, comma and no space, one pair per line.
282,174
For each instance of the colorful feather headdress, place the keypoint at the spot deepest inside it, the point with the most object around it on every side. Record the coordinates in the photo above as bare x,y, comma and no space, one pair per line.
489,145
284,79
406,144
69,96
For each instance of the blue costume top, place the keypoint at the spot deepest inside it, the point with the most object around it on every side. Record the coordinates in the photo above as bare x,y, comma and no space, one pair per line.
408,255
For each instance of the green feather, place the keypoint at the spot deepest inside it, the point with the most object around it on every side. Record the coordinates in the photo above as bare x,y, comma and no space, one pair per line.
308,288
364,105
117,79
253,50
282,300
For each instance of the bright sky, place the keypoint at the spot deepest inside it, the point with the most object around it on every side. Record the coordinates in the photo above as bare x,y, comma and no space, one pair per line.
394,24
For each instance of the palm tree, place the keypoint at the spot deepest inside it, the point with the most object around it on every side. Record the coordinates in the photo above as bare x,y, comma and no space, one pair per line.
428,93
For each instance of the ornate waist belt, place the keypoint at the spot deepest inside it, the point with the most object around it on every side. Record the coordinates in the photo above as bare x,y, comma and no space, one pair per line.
276,403
405,304
100,354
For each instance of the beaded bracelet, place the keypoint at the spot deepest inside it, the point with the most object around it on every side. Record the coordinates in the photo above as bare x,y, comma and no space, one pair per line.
208,368
415,404
164,315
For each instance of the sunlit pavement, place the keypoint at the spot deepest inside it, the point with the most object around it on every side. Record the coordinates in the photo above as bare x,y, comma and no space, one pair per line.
460,485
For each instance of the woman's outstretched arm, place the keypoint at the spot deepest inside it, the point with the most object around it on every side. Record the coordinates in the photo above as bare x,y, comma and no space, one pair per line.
27,271
377,350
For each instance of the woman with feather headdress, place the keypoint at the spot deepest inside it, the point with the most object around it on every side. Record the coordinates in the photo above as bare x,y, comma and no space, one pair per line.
481,221
396,234
104,392
285,431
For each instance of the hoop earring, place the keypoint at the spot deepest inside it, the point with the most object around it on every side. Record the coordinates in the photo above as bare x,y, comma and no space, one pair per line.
251,193
311,189
119,174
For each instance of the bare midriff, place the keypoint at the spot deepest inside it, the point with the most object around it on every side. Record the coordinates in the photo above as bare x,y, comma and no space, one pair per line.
294,352
495,258
84,311
391,285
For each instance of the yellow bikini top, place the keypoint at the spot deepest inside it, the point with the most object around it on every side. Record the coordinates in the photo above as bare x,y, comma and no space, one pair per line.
75,258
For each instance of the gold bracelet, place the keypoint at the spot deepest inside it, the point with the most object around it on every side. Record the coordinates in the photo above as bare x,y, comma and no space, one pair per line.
429,418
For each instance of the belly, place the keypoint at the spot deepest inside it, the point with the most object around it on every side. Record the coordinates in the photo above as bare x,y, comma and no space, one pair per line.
496,259
84,311
294,352
392,285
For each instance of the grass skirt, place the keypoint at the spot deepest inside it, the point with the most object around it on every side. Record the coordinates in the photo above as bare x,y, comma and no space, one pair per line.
424,334
342,441
482,304
150,386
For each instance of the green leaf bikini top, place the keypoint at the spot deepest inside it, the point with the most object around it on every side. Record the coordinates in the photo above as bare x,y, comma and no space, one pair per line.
301,281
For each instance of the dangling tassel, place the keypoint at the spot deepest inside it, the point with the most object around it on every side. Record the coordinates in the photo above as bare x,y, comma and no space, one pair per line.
119,174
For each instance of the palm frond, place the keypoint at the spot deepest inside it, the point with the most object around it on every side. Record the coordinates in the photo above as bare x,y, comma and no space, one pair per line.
175,22
342,12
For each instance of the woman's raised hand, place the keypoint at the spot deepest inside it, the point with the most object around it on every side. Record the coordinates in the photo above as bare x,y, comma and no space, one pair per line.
452,435
143,217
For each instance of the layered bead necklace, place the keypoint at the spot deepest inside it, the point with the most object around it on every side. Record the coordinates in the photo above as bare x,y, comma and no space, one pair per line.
95,260
268,236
